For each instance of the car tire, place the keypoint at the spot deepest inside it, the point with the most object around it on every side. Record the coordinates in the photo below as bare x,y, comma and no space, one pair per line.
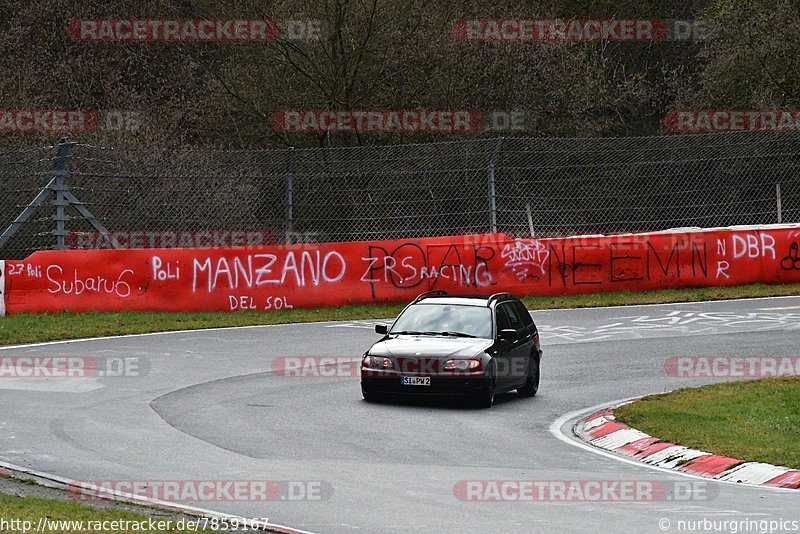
485,397
532,380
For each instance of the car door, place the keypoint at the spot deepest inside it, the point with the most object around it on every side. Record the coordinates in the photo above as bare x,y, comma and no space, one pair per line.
531,332
520,348
503,350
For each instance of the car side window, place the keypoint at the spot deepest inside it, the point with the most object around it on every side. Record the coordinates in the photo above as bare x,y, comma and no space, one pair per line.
524,315
513,316
503,321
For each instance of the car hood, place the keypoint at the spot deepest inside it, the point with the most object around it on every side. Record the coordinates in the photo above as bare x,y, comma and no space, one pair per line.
430,346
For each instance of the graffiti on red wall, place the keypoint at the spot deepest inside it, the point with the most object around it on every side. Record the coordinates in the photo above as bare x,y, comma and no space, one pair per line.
334,274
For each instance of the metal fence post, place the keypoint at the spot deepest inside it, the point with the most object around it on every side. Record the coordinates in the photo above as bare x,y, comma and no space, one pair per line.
59,188
530,219
289,222
492,191
778,201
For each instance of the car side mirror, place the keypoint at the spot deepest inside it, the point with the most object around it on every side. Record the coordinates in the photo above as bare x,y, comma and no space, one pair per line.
381,329
508,334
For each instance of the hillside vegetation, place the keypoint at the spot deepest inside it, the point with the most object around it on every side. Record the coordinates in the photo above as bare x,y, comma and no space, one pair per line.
390,54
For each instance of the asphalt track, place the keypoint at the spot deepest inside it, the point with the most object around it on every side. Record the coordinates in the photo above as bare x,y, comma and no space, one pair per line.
209,407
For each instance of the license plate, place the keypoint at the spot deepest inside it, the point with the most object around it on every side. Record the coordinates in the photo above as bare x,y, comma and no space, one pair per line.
415,380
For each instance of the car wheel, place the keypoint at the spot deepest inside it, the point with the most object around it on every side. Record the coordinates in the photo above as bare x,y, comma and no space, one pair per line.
485,398
532,382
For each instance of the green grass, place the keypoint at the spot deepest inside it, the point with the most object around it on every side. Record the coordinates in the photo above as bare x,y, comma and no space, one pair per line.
29,328
756,421
32,509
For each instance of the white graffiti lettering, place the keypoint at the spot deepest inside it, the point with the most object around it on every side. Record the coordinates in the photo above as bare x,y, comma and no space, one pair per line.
409,274
753,246
77,285
526,258
256,270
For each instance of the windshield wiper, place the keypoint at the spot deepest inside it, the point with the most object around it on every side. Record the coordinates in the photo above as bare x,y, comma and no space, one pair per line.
409,333
454,334
416,333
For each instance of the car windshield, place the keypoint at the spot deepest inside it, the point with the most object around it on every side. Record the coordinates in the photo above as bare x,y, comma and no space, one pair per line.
445,319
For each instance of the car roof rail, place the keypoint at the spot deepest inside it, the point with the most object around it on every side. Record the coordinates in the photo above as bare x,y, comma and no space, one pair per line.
434,293
498,296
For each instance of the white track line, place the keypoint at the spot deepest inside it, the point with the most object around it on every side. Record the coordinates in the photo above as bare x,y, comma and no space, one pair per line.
130,498
164,333
212,329
682,303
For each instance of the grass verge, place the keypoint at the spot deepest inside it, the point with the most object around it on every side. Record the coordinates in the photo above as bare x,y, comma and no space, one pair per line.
67,518
30,328
755,421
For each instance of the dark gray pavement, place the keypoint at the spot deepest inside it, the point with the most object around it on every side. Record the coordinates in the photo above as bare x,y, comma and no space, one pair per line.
208,406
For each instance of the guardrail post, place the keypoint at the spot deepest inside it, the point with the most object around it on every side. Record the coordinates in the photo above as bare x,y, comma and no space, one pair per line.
492,192
59,188
778,201
289,221
530,220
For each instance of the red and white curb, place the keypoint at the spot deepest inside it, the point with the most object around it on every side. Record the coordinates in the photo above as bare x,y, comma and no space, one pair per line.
602,430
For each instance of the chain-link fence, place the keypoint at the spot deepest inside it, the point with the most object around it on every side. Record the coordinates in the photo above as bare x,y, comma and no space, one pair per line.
69,195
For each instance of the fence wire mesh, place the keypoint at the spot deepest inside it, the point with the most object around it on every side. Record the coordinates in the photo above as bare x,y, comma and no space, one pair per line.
553,187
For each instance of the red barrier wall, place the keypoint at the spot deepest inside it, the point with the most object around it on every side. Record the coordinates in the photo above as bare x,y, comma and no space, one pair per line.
333,274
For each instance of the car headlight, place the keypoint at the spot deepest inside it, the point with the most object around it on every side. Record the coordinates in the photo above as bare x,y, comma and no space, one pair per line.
377,362
462,365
